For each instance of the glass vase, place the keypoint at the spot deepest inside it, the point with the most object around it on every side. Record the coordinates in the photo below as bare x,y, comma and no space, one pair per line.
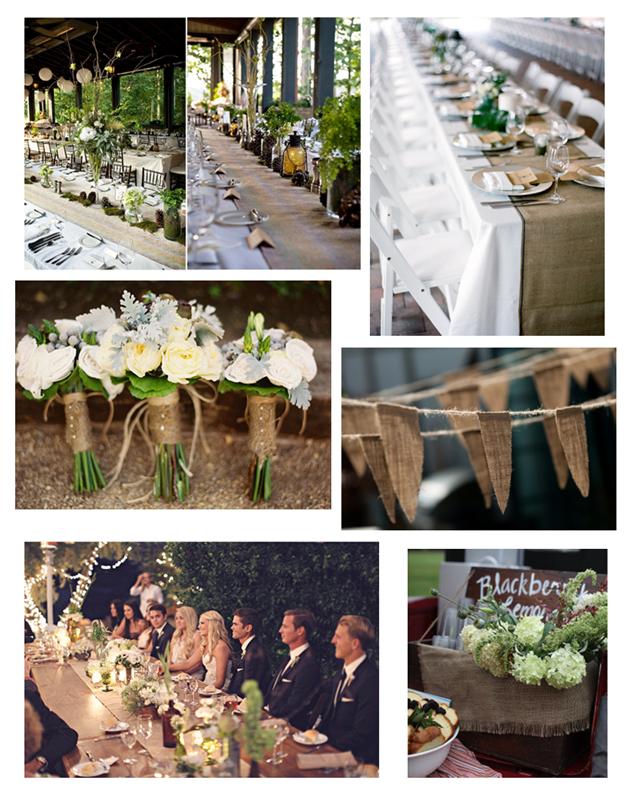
172,223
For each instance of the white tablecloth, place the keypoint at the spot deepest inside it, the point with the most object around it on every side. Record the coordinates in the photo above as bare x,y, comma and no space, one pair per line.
489,293
155,161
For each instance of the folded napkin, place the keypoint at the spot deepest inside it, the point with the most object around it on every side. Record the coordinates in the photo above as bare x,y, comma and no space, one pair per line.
309,762
36,230
470,140
596,173
464,106
509,180
494,138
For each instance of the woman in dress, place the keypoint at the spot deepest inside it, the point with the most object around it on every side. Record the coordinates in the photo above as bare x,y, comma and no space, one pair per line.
216,650
132,623
185,654
114,618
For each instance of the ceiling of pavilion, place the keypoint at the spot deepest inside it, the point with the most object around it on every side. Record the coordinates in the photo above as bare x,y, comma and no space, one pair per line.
206,31
144,43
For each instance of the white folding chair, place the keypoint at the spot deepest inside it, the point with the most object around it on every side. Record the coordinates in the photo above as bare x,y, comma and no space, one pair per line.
591,108
546,85
570,94
530,74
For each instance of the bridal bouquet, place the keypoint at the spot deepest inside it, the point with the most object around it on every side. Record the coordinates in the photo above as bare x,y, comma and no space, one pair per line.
56,361
157,351
531,649
266,364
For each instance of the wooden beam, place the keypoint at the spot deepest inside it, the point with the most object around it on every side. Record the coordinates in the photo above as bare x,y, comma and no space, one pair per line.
267,76
324,77
289,59
169,97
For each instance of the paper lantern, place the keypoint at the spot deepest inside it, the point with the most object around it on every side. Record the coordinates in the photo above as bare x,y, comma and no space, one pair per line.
28,79
67,86
84,76
25,93
40,96
45,73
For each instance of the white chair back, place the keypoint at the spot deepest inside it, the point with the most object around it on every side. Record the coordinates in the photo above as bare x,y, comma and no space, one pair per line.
591,108
567,93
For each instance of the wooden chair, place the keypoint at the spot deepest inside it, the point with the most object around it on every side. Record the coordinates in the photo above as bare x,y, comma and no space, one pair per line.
153,179
126,174
177,176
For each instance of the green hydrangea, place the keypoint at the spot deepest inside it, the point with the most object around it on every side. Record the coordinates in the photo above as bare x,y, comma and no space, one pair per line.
529,630
529,669
566,668
586,632
471,635
492,656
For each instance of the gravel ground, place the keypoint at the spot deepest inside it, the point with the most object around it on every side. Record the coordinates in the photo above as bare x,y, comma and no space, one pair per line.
301,473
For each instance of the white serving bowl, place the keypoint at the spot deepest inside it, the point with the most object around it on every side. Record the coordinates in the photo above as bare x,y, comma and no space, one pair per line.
421,764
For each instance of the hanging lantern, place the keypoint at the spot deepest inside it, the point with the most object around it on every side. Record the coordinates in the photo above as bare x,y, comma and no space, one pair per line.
28,79
45,74
84,76
67,86
25,93
293,157
40,96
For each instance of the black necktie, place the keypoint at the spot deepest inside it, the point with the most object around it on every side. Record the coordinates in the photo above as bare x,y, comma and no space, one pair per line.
154,640
280,673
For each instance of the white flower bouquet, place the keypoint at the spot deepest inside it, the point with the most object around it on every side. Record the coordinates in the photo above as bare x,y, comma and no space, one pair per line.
123,652
55,361
267,364
94,138
535,649
157,351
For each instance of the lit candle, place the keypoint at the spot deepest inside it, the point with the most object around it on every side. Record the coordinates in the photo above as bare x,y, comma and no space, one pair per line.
96,677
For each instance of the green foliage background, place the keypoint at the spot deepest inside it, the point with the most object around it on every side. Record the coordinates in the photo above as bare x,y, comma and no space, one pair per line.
330,579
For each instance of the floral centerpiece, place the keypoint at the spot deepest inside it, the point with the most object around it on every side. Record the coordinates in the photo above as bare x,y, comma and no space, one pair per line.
103,672
172,201
124,653
132,200
158,351
55,361
45,172
532,649
95,139
487,114
98,636
267,364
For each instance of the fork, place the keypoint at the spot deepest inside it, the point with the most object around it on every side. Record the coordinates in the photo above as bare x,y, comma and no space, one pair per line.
73,253
58,254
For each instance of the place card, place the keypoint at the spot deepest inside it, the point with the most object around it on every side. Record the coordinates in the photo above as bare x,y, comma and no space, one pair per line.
309,762
220,170
259,238
492,138
232,193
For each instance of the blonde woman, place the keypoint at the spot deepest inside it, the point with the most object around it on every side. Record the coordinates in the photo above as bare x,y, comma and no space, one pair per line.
216,650
185,655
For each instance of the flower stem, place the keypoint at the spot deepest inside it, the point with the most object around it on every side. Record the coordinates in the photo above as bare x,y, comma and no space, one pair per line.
171,480
87,475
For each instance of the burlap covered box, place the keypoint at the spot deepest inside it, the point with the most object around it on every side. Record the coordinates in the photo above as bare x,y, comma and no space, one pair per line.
538,727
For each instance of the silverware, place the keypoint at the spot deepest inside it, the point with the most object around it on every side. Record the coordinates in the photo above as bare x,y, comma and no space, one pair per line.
58,254
499,205
73,253
37,244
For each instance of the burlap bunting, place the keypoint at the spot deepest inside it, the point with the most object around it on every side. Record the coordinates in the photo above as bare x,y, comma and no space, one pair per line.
476,454
404,453
373,451
496,434
557,454
553,386
496,394
357,420
572,432
600,368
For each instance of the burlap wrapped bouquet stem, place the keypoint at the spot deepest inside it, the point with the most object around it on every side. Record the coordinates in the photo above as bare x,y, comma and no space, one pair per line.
165,419
78,428
504,706
261,420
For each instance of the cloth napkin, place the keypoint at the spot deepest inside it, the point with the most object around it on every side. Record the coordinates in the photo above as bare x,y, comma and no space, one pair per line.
309,762
36,230
509,180
471,140
595,173
461,762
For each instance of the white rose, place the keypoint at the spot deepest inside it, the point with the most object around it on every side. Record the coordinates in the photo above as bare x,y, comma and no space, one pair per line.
25,349
180,330
211,362
245,369
89,364
141,358
181,361
106,351
43,368
87,134
301,354
281,371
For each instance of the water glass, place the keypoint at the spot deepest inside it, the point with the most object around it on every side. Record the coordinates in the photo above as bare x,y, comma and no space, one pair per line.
514,126
557,163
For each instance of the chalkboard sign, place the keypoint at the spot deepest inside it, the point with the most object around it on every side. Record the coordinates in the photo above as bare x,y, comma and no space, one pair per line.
526,592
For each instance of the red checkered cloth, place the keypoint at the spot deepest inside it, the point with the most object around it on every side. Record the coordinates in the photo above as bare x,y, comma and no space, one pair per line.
461,762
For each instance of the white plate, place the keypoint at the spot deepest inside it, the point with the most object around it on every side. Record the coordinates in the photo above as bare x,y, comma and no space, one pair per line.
89,242
457,95
90,768
210,691
478,182
70,177
238,219
34,214
483,147
122,726
105,181
152,201
298,737
575,131
588,183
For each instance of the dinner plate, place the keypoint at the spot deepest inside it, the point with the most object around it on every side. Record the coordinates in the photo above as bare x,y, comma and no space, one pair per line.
588,182
238,219
454,95
575,131
478,182
120,726
210,691
299,737
482,147
91,768
89,242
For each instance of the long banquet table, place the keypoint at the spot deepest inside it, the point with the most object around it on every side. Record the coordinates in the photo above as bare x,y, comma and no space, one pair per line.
67,691
497,295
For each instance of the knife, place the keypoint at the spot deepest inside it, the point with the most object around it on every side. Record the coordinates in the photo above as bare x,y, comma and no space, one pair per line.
37,243
499,205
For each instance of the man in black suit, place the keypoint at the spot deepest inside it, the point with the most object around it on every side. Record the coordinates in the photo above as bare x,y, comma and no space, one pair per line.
252,663
349,714
296,683
58,738
162,631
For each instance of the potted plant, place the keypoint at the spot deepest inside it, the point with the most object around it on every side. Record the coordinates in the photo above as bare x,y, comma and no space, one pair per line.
133,200
278,118
97,142
172,200
340,137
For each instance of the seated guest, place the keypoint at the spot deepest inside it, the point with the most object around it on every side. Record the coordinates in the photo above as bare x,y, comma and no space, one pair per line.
115,615
296,683
185,650
33,734
147,591
162,631
349,715
132,623
216,650
56,740
28,633
253,663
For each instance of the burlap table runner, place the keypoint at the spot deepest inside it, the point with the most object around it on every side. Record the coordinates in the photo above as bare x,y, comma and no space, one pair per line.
501,705
562,274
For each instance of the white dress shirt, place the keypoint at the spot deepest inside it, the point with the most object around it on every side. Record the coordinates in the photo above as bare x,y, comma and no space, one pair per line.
245,643
147,594
349,670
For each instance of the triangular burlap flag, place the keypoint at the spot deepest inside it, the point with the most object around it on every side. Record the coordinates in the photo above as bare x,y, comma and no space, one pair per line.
495,394
357,419
557,454
553,385
496,434
580,369
373,451
572,432
477,456
404,453
465,397
353,450
599,367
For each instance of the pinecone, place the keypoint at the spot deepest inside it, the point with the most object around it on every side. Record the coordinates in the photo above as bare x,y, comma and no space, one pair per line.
159,218
83,195
105,202
299,179
91,197
276,165
350,209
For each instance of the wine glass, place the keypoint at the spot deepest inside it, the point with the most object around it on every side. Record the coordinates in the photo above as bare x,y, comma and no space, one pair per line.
557,163
281,728
193,687
129,739
515,125
559,132
144,729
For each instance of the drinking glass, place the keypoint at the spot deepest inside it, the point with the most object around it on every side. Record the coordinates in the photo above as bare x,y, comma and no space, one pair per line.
557,163
559,131
193,687
281,728
144,729
129,739
514,126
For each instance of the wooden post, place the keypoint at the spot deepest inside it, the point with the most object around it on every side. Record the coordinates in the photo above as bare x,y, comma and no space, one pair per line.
267,76
31,104
169,96
324,78
51,103
289,59
115,91
78,95
216,65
